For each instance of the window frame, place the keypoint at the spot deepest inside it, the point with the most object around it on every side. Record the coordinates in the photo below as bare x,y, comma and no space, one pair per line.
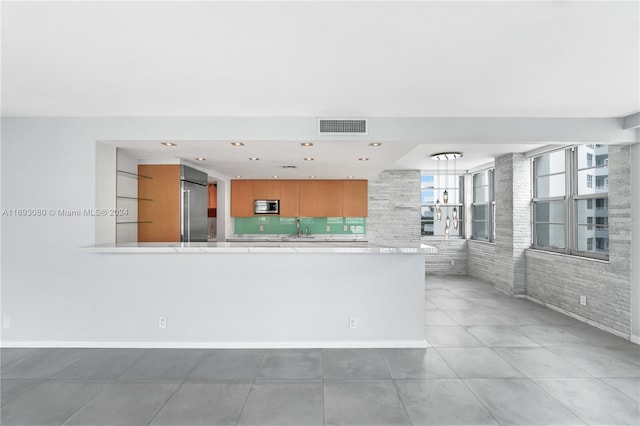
491,205
570,199
460,204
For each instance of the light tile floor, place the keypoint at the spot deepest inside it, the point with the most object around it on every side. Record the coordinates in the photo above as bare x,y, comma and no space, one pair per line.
491,360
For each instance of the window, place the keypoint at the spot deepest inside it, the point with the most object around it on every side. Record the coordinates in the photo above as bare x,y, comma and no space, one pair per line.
431,190
563,199
483,208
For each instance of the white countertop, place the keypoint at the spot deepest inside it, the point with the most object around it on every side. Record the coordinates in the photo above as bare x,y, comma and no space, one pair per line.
260,247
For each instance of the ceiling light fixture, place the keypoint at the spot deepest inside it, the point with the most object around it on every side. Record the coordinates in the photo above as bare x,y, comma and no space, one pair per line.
350,177
363,159
169,144
275,176
312,177
238,176
237,143
306,144
375,144
253,158
446,156
308,158
201,159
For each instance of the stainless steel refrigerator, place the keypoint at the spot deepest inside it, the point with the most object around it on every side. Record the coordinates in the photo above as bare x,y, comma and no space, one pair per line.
193,205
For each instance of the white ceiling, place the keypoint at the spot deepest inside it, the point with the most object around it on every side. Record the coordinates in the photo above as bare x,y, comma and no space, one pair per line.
320,59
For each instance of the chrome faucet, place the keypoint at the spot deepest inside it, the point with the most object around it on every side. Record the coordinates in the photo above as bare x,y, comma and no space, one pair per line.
298,226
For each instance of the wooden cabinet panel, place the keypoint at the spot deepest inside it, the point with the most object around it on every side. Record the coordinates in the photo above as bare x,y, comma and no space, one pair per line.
259,189
163,212
289,198
354,198
266,189
330,198
242,198
308,193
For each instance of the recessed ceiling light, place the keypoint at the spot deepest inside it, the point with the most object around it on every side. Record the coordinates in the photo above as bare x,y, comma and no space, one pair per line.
253,158
306,144
169,144
309,158
288,166
375,144
275,176
312,177
237,143
201,159
363,159
238,176
350,177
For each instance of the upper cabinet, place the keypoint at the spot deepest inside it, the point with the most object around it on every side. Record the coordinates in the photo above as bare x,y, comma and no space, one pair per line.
289,198
242,198
309,198
355,198
159,219
302,198
330,198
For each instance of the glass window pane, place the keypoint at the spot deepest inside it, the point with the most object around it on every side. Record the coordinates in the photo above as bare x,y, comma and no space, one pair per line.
553,162
426,182
549,211
481,179
427,212
481,212
586,154
481,194
593,181
550,235
427,196
587,215
427,227
480,230
550,186
593,239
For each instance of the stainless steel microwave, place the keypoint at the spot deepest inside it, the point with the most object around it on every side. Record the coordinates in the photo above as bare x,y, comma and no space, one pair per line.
267,207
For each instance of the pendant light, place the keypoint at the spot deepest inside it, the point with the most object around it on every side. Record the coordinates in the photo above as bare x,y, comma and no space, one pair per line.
454,212
438,211
445,195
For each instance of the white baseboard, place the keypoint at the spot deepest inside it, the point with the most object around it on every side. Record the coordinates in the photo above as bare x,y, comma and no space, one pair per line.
218,345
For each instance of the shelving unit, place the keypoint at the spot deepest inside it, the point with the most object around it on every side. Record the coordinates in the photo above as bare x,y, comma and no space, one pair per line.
127,199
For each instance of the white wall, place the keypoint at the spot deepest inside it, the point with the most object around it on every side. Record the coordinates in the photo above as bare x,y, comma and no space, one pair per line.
52,289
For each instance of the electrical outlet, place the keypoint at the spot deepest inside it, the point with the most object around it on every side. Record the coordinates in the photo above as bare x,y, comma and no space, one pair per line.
162,322
327,228
345,228
261,228
453,262
6,322
353,322
583,300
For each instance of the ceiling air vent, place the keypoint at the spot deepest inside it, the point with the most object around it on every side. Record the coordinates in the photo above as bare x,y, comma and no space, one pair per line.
339,126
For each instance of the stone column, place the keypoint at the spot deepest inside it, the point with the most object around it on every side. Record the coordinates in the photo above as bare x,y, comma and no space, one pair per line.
513,221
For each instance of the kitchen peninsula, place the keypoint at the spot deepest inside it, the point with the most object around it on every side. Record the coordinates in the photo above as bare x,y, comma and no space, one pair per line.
279,294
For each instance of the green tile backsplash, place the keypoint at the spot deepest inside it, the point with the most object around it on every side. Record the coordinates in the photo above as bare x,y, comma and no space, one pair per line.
287,225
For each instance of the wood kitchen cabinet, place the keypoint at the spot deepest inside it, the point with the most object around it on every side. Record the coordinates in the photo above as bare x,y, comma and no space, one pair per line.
159,221
266,189
242,198
212,207
330,198
289,198
355,198
308,190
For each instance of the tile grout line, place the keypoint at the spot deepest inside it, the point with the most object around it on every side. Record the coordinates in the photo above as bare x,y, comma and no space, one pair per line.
244,404
195,364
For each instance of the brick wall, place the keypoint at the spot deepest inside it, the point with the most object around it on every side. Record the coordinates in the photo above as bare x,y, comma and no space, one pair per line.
559,280
513,228
481,258
452,250
394,208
